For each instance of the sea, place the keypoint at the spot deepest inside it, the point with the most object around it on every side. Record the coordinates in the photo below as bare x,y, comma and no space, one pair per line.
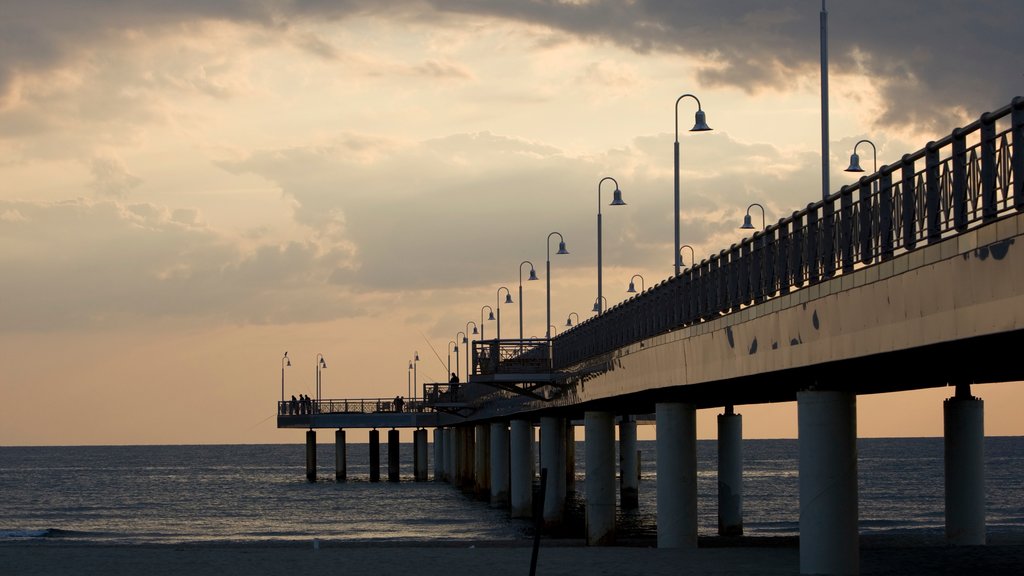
259,493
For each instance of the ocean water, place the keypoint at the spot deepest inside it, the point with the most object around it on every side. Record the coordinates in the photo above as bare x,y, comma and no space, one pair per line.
177,494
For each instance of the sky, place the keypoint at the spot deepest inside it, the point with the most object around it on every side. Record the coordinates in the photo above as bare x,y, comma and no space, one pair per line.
192,188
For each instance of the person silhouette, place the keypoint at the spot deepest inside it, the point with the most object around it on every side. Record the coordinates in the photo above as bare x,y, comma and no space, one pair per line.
454,379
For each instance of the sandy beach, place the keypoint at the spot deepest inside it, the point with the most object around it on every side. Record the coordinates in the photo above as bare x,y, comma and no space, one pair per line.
493,559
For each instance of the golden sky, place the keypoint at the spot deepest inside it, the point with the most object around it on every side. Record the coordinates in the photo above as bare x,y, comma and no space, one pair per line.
189,190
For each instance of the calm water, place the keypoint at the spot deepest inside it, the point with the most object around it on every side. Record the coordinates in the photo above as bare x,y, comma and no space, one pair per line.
170,494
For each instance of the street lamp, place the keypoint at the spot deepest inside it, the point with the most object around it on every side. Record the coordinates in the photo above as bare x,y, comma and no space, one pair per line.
285,361
469,346
747,225
597,307
490,316
320,364
450,344
533,276
616,201
699,125
632,288
855,160
547,279
408,382
415,364
497,306
693,258
457,352
568,320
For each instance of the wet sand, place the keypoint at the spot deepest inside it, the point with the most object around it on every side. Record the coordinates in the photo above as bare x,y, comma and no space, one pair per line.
889,556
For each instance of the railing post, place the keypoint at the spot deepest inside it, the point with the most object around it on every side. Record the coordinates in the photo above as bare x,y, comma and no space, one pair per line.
813,245
846,227
885,213
988,168
799,240
866,236
959,180
732,278
782,258
908,191
756,282
933,212
743,273
828,240
1017,141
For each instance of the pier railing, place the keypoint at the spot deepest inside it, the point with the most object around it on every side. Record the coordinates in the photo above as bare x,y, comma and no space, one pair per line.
352,406
512,356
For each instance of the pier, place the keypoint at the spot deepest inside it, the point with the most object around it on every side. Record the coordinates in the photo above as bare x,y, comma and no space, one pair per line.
918,269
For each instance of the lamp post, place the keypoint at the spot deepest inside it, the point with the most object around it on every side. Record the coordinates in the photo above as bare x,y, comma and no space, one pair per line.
747,225
699,125
533,276
598,307
285,361
568,320
855,160
824,102
320,364
469,346
450,344
616,201
490,316
457,352
693,258
408,381
415,364
632,288
547,279
497,306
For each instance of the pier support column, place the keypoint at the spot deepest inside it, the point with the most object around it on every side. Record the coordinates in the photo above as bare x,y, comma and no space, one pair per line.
499,461
438,454
481,462
374,455
340,456
629,465
677,475
964,430
552,457
827,426
311,455
449,452
570,456
421,463
600,455
521,462
393,456
467,456
730,473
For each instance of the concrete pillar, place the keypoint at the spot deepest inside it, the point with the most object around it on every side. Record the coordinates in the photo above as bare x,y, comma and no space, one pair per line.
499,461
677,475
600,456
422,463
449,455
374,455
964,430
393,456
570,457
552,457
521,464
467,458
827,426
730,473
438,454
481,462
629,478
311,455
340,457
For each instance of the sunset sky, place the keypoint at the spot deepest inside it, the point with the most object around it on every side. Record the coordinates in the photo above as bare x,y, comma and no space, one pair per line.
188,189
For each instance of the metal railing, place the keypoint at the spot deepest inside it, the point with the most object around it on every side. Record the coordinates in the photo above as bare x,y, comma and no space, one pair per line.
351,406
512,356
971,177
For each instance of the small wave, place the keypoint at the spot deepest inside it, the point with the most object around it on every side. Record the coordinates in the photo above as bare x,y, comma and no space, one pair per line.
43,533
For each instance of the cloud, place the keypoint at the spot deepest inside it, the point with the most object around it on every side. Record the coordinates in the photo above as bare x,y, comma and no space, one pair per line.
111,177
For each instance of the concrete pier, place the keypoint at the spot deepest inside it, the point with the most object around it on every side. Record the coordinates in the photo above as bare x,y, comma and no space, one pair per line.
677,475
421,462
570,457
600,453
438,454
552,458
730,473
827,424
629,465
964,431
481,462
340,457
311,455
521,468
393,456
499,461
447,455
467,458
374,455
